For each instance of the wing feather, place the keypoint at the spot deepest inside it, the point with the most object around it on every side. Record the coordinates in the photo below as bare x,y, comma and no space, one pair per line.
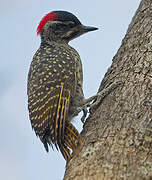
53,110
51,82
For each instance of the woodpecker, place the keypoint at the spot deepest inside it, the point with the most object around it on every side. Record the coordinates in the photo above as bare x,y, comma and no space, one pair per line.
55,83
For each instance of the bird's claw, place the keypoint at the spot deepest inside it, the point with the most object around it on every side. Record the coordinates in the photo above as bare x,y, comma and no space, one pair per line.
85,111
79,109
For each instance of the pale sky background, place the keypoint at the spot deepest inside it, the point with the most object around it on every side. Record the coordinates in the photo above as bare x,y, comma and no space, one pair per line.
22,155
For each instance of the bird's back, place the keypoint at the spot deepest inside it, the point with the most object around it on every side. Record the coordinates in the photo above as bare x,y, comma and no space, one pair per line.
51,65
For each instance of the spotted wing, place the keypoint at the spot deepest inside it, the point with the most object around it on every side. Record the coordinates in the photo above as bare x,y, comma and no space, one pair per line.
51,82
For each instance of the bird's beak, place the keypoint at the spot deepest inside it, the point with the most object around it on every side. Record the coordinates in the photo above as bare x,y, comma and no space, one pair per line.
88,28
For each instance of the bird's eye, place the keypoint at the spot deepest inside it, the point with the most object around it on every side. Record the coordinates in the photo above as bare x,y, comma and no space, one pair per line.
61,26
71,24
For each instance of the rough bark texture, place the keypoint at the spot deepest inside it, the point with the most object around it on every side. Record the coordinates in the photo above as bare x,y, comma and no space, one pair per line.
118,135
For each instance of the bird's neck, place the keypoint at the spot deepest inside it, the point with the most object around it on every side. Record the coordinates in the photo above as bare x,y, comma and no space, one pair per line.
54,43
47,37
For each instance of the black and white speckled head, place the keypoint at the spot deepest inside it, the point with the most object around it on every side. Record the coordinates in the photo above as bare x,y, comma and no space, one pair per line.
61,26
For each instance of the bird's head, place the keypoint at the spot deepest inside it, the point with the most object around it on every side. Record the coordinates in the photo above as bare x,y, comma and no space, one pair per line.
61,26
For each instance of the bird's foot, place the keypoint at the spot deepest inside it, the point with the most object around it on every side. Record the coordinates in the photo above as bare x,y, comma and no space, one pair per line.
85,111
79,109
102,94
76,112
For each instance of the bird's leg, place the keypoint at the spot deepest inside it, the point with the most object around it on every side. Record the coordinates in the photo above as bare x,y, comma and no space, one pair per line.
85,103
76,112
85,111
102,94
99,97
79,109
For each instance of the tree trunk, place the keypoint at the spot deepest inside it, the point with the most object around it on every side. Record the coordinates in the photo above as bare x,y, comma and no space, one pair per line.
118,134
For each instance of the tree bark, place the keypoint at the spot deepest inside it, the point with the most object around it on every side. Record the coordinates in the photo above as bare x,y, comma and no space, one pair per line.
118,134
